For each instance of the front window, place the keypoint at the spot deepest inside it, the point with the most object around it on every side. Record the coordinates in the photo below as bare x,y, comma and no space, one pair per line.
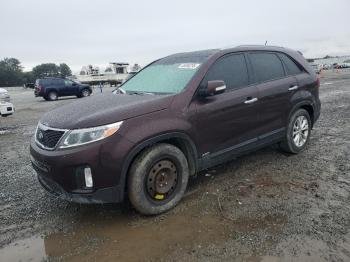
169,75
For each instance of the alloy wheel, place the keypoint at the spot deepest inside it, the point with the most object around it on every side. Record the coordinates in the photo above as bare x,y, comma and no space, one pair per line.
85,93
300,131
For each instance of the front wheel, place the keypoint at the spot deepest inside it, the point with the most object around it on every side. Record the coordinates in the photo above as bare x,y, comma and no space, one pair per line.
85,93
158,179
298,132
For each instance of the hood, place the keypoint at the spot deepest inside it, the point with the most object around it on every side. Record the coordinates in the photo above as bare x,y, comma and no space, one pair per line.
104,109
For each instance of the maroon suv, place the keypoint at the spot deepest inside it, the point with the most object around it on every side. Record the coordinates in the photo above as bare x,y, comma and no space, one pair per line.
179,115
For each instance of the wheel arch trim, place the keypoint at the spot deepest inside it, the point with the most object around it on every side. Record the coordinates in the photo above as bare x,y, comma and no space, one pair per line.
166,137
301,104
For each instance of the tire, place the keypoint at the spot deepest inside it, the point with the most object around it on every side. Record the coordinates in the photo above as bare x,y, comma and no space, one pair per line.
158,179
85,93
52,96
290,143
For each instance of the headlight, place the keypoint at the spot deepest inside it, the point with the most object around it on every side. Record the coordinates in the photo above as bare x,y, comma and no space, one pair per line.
84,136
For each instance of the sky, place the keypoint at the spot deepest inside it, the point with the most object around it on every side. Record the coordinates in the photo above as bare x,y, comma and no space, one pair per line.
97,32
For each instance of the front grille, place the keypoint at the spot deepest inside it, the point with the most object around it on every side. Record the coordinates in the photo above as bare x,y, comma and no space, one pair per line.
48,138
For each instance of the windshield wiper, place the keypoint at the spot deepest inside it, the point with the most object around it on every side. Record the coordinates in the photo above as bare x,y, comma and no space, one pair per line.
139,93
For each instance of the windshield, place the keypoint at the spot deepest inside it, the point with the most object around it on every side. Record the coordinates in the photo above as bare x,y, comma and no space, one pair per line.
169,75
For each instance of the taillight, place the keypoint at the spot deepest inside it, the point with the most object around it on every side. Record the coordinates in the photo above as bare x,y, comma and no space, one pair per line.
318,81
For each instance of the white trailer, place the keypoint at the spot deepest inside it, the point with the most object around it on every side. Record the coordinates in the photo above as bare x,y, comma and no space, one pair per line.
6,108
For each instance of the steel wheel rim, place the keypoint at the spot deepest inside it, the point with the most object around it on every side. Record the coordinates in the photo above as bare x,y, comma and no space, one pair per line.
162,180
53,96
300,131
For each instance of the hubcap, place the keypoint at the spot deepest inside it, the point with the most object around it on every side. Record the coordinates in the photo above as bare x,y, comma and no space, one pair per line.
162,180
85,93
300,131
53,96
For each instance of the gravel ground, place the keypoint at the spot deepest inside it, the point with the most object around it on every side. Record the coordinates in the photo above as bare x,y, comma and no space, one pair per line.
265,206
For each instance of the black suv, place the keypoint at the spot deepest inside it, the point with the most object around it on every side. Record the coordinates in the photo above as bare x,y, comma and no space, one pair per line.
51,88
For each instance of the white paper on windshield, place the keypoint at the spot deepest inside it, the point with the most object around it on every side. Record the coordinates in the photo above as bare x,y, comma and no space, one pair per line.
188,66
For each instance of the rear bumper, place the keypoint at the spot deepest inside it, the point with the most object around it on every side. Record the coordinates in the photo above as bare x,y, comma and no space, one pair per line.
6,108
38,93
317,110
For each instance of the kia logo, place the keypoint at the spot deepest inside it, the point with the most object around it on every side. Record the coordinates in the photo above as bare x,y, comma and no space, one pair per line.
40,135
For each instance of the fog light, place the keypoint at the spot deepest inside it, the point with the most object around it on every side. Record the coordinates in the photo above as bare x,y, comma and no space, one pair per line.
88,177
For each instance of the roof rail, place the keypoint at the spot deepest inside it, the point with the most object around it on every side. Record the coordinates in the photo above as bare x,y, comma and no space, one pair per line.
259,46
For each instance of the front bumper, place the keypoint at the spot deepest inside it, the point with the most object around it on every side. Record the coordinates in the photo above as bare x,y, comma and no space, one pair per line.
100,196
58,170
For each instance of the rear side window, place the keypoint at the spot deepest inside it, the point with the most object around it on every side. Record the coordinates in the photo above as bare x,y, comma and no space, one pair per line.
68,83
291,67
46,82
232,69
267,66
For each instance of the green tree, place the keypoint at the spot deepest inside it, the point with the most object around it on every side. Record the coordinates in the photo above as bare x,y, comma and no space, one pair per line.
28,77
47,69
65,70
10,72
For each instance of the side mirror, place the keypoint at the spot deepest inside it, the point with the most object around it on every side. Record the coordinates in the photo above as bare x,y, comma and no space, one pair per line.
214,87
74,84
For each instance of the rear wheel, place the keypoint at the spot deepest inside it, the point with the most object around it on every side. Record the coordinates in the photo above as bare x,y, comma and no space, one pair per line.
298,132
85,93
158,179
52,96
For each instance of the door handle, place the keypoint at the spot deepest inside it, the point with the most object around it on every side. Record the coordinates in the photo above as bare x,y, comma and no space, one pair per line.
293,88
250,100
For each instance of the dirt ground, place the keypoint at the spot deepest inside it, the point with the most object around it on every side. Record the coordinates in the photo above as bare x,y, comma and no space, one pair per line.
265,206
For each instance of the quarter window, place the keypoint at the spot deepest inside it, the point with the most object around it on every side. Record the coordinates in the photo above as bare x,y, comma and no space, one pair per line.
232,69
291,67
267,66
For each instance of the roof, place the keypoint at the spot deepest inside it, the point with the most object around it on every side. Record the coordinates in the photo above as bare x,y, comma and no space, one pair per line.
210,52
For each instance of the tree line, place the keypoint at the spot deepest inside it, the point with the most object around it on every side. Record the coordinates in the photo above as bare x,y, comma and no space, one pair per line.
11,72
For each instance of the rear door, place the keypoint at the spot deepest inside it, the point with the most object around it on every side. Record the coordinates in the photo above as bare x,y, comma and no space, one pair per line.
274,90
58,84
292,68
226,120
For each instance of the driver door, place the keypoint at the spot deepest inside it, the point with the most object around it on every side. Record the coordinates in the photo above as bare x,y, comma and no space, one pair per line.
228,120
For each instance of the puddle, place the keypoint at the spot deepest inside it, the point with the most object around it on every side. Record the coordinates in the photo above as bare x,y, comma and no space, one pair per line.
119,239
4,132
8,130
30,249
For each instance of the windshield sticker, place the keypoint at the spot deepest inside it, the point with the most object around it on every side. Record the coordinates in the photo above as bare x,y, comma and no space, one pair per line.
188,66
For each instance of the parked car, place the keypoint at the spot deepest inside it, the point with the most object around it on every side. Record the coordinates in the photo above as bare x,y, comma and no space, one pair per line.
29,85
179,115
51,88
6,108
316,68
344,65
